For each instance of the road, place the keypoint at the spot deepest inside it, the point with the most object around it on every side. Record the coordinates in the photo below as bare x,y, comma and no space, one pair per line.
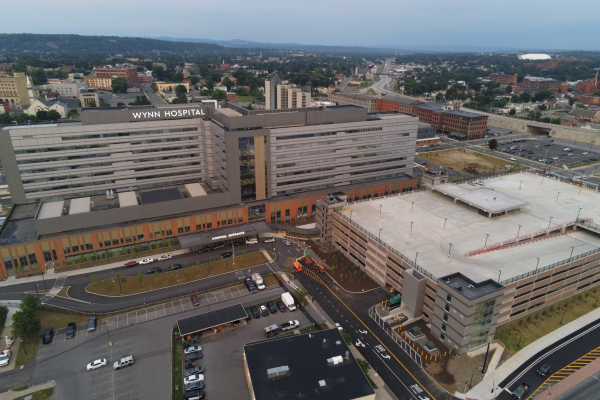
154,98
103,304
405,379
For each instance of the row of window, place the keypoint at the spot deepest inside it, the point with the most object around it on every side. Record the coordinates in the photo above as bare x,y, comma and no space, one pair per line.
306,135
125,134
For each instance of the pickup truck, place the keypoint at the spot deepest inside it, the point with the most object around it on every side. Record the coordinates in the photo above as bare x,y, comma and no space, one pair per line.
286,326
520,392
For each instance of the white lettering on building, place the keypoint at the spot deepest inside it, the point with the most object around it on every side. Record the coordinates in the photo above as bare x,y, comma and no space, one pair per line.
228,236
187,112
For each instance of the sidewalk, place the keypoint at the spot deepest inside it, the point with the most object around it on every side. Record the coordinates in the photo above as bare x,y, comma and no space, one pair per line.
51,274
10,395
570,382
483,390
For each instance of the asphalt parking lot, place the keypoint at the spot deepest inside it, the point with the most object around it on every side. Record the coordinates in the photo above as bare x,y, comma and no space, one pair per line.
112,99
555,152
223,362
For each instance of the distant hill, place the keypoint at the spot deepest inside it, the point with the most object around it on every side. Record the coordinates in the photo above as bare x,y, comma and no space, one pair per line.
18,42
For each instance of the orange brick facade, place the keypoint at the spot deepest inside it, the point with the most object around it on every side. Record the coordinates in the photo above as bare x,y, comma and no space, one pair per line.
509,79
129,74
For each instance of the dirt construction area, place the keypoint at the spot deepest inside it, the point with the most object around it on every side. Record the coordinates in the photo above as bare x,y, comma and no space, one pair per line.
464,159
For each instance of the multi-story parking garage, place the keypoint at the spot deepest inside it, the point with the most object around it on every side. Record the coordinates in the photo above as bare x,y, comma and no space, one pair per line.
466,258
125,177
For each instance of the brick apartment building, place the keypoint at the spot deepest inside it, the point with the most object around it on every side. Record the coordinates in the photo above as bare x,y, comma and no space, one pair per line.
508,79
98,83
589,85
588,99
129,74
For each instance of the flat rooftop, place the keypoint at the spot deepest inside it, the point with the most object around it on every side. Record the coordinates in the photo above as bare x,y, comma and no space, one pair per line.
470,289
308,366
482,197
466,229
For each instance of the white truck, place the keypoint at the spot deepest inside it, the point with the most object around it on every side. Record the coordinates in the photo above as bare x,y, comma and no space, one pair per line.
286,326
258,280
288,300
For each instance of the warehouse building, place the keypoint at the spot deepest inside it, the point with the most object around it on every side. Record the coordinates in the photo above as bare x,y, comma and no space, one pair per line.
130,177
467,258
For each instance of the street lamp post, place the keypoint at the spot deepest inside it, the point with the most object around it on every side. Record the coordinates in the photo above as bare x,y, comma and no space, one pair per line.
563,315
550,221
351,211
537,265
578,214
571,256
499,274
520,183
411,225
487,235
558,194
412,204
519,231
36,291
381,205
445,220
43,280
380,234
416,256
449,250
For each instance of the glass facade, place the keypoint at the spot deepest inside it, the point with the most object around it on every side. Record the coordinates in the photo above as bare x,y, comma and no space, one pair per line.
247,168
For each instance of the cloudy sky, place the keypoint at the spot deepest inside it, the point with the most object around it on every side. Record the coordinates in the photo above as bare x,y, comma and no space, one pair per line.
523,24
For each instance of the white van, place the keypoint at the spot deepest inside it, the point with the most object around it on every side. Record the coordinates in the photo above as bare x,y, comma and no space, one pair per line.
251,241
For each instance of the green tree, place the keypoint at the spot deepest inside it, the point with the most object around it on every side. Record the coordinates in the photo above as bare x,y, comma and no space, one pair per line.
544,94
317,74
347,338
3,313
53,115
218,95
300,294
180,90
42,115
596,93
120,103
73,113
5,119
228,82
512,111
572,100
25,324
141,101
526,97
364,365
94,279
180,99
508,89
159,72
30,302
119,85
154,87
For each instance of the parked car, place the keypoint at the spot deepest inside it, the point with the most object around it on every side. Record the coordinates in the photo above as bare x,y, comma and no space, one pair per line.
512,159
287,242
237,243
189,364
220,246
194,386
255,312
252,241
205,249
91,324
154,270
585,153
281,306
193,379
130,264
544,370
269,240
192,349
227,254
165,257
264,311
123,362
48,336
194,394
101,362
5,358
147,261
237,323
271,307
71,330
193,356
195,300
195,370
175,266
248,315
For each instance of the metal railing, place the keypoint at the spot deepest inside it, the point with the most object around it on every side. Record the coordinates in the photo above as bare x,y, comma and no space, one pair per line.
411,263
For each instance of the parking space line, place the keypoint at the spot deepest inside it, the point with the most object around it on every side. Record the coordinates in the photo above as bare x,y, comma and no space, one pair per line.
181,301
155,314
238,288
117,322
136,316
165,310
190,300
215,296
206,295
231,293
173,305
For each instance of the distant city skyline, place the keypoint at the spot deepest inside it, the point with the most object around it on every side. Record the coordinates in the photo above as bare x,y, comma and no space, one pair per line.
513,24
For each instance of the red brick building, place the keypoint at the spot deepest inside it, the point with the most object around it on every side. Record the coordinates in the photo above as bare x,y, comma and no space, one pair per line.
508,79
588,86
231,96
547,65
588,99
129,74
144,79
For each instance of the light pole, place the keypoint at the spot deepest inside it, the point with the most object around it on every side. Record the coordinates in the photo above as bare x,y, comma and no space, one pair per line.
445,220
381,205
487,235
119,278
449,250
36,291
537,265
380,234
520,183
411,225
550,222
578,214
558,194
233,252
416,256
561,318
43,280
499,274
519,231
571,256
412,204
351,211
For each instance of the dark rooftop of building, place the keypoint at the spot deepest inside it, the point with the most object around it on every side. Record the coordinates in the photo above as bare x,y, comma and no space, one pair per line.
468,288
197,323
160,195
310,366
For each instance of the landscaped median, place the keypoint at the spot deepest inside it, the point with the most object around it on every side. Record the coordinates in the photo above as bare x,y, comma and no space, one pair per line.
144,283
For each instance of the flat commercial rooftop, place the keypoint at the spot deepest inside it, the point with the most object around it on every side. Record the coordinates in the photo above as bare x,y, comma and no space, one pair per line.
481,197
309,366
51,209
197,323
221,234
466,229
160,195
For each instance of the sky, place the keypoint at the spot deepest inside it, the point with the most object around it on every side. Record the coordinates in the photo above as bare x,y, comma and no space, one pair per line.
518,24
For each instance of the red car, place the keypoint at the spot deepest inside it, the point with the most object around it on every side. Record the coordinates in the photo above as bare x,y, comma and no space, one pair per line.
195,300
131,264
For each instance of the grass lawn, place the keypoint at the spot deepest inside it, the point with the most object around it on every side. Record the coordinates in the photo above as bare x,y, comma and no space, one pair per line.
311,329
133,285
40,394
518,334
246,99
20,388
177,365
64,292
31,346
459,160
270,281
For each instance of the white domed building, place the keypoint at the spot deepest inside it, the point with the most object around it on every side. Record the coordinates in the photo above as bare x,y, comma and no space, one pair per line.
534,56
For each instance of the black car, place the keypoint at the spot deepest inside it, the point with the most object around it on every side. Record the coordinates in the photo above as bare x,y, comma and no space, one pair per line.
194,386
271,307
189,364
237,323
255,312
544,370
71,329
48,335
220,246
281,306
193,356
248,315
193,395
193,371
237,243
226,254
205,249
175,266
154,270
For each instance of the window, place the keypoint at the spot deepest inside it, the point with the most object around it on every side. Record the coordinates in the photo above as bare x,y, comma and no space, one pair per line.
115,242
66,250
442,336
198,227
88,246
445,317
449,298
107,243
447,307
179,230
208,225
75,249
140,237
443,327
